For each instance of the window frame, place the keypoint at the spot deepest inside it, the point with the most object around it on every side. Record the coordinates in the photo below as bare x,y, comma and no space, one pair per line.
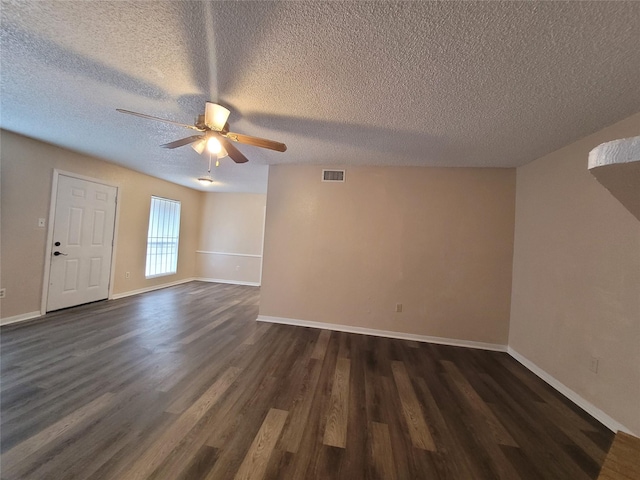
163,263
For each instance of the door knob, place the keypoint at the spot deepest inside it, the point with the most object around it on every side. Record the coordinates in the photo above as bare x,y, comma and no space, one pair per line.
59,253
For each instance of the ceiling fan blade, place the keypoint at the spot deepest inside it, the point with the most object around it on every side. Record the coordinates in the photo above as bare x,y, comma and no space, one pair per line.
215,116
182,142
158,119
235,154
256,141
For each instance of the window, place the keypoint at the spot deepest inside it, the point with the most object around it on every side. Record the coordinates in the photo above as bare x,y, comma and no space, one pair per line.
162,239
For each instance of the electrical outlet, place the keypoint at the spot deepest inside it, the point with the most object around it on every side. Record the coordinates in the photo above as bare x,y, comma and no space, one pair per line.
127,274
3,292
594,364
398,308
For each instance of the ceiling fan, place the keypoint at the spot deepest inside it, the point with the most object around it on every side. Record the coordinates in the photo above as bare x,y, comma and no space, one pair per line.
215,134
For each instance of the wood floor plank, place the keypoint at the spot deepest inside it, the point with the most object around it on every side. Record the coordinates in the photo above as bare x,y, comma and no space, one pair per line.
623,460
398,431
100,440
255,397
444,440
245,426
153,457
357,452
382,452
181,457
535,436
259,331
475,422
328,463
475,402
418,429
225,346
545,392
207,328
292,370
335,433
301,407
202,463
374,397
110,343
463,433
255,462
321,345
307,456
193,386
527,470
576,435
54,433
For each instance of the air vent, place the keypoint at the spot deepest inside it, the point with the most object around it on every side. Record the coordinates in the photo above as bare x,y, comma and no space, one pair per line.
333,175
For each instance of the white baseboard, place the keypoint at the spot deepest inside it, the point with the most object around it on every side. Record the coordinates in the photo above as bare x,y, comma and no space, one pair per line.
587,406
231,282
384,333
20,318
115,296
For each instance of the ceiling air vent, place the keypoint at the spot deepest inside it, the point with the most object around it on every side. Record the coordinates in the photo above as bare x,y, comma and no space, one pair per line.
333,175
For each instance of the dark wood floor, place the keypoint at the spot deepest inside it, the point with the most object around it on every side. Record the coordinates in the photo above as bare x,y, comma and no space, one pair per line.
182,383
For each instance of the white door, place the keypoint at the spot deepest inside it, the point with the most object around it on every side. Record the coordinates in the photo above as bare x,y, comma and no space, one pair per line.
82,243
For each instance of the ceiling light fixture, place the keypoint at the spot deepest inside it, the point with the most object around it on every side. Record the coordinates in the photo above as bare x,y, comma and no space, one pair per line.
206,180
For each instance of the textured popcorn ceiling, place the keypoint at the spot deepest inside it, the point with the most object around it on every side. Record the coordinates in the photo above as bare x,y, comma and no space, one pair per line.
486,84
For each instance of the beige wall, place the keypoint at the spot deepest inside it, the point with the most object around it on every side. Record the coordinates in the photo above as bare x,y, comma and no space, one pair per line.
439,241
576,278
27,169
230,247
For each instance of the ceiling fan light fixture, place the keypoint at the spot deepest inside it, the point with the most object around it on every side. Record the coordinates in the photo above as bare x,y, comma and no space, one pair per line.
215,116
200,145
213,145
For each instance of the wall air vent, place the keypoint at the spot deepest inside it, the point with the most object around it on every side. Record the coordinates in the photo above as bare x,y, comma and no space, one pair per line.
333,175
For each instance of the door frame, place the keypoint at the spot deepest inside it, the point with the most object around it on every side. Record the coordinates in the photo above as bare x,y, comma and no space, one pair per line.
52,214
